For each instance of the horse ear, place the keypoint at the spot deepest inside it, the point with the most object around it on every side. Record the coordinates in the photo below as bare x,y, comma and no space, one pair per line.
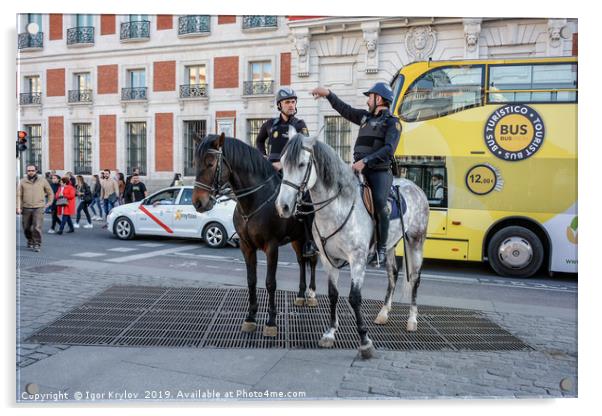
220,141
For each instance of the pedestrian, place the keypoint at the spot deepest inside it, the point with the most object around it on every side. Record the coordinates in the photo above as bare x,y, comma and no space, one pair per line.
54,185
48,177
84,193
136,190
71,179
31,203
121,182
177,180
65,202
109,191
135,171
95,188
374,150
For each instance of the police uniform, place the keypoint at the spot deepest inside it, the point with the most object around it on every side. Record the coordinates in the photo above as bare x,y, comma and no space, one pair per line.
375,145
275,131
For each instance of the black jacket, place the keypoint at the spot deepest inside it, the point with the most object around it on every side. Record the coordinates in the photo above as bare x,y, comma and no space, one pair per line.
276,130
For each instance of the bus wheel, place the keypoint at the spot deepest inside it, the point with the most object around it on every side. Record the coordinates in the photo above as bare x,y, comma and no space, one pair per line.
515,252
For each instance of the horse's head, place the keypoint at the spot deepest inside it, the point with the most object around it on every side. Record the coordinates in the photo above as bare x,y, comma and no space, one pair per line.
211,171
298,169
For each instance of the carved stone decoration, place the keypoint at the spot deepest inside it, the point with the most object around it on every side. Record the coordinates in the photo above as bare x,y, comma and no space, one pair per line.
301,42
555,27
472,31
420,42
371,32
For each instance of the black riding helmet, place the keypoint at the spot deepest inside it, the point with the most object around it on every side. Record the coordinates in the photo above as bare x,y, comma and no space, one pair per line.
285,93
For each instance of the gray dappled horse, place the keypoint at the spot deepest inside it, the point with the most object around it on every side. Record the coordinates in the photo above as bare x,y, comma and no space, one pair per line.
343,227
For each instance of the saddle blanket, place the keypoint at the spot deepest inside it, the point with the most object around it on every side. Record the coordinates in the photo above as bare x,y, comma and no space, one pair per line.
392,200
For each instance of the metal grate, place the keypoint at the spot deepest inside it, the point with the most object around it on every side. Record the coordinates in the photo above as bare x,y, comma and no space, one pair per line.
211,318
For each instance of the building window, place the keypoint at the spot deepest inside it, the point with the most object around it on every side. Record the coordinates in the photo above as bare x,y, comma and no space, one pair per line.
337,134
253,127
26,40
32,91
194,24
33,154
136,85
136,147
82,88
191,129
261,80
82,149
251,22
136,28
196,78
83,32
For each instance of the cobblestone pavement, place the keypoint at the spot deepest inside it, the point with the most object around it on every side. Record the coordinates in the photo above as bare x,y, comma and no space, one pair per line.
548,371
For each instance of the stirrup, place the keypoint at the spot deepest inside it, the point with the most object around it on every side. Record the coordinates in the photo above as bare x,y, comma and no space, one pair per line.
379,258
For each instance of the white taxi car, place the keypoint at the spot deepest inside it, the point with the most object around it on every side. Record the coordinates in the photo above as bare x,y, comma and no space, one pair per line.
169,212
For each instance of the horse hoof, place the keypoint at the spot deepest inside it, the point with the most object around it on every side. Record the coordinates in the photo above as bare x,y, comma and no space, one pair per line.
270,331
312,302
249,327
412,326
367,351
381,319
326,342
299,301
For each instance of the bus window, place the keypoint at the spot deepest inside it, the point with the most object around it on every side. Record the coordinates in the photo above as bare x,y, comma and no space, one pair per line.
429,173
533,83
443,91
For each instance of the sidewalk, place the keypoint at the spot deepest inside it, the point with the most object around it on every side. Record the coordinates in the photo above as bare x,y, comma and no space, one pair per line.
115,373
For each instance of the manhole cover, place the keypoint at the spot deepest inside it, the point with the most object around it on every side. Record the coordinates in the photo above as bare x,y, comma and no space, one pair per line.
208,317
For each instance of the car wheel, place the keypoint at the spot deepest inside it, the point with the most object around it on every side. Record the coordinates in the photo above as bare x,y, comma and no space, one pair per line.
215,235
515,252
123,228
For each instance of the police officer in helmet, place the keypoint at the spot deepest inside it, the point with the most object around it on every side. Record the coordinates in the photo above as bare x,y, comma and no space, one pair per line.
374,149
275,132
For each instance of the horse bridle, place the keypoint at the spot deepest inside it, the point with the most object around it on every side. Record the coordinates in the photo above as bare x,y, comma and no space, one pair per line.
216,189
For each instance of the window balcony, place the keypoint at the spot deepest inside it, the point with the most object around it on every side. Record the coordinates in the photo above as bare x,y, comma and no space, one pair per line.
28,41
135,31
133,94
194,25
82,36
259,22
80,96
30,98
193,91
258,87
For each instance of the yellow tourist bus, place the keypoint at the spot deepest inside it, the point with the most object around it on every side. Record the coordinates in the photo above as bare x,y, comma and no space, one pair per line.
493,143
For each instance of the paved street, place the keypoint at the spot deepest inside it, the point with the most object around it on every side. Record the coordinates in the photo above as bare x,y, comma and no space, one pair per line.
73,268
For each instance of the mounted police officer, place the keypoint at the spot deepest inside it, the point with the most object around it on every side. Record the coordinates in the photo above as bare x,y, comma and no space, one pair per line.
374,150
275,131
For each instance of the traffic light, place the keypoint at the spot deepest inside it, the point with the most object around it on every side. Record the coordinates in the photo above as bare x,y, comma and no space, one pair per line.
21,140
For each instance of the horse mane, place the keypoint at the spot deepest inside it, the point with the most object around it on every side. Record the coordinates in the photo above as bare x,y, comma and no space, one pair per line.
239,155
331,169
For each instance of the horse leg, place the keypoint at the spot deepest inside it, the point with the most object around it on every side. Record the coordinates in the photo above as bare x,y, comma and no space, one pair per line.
270,329
328,338
358,267
415,257
297,246
311,293
392,274
250,254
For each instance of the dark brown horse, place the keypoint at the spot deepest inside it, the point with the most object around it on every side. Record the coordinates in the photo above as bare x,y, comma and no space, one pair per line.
220,162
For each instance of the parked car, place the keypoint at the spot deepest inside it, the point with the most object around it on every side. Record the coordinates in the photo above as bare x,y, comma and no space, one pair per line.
169,212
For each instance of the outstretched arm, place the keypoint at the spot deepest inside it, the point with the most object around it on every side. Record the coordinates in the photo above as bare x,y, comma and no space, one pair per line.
354,115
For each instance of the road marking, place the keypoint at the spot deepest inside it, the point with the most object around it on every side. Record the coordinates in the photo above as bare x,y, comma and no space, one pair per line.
152,245
89,254
122,249
152,254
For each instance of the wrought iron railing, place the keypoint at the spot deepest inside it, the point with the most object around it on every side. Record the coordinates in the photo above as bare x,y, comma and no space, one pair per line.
249,22
135,30
80,35
258,87
193,90
30,98
194,24
29,41
138,93
80,96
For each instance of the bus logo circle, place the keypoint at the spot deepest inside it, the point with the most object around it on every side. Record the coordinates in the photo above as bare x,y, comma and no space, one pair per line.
514,132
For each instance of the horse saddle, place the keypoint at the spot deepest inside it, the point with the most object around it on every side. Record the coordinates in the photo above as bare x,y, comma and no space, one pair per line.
392,201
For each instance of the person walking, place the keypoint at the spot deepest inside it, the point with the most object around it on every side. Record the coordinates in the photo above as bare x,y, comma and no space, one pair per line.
95,188
85,199
121,182
65,201
128,181
31,203
109,191
54,185
136,190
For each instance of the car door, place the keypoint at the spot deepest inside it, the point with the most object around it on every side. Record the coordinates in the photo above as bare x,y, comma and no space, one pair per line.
155,214
186,220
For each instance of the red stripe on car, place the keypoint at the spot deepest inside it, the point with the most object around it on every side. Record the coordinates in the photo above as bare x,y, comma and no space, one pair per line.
155,219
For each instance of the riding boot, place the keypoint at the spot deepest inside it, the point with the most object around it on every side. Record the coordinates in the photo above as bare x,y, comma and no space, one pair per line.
309,248
382,228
